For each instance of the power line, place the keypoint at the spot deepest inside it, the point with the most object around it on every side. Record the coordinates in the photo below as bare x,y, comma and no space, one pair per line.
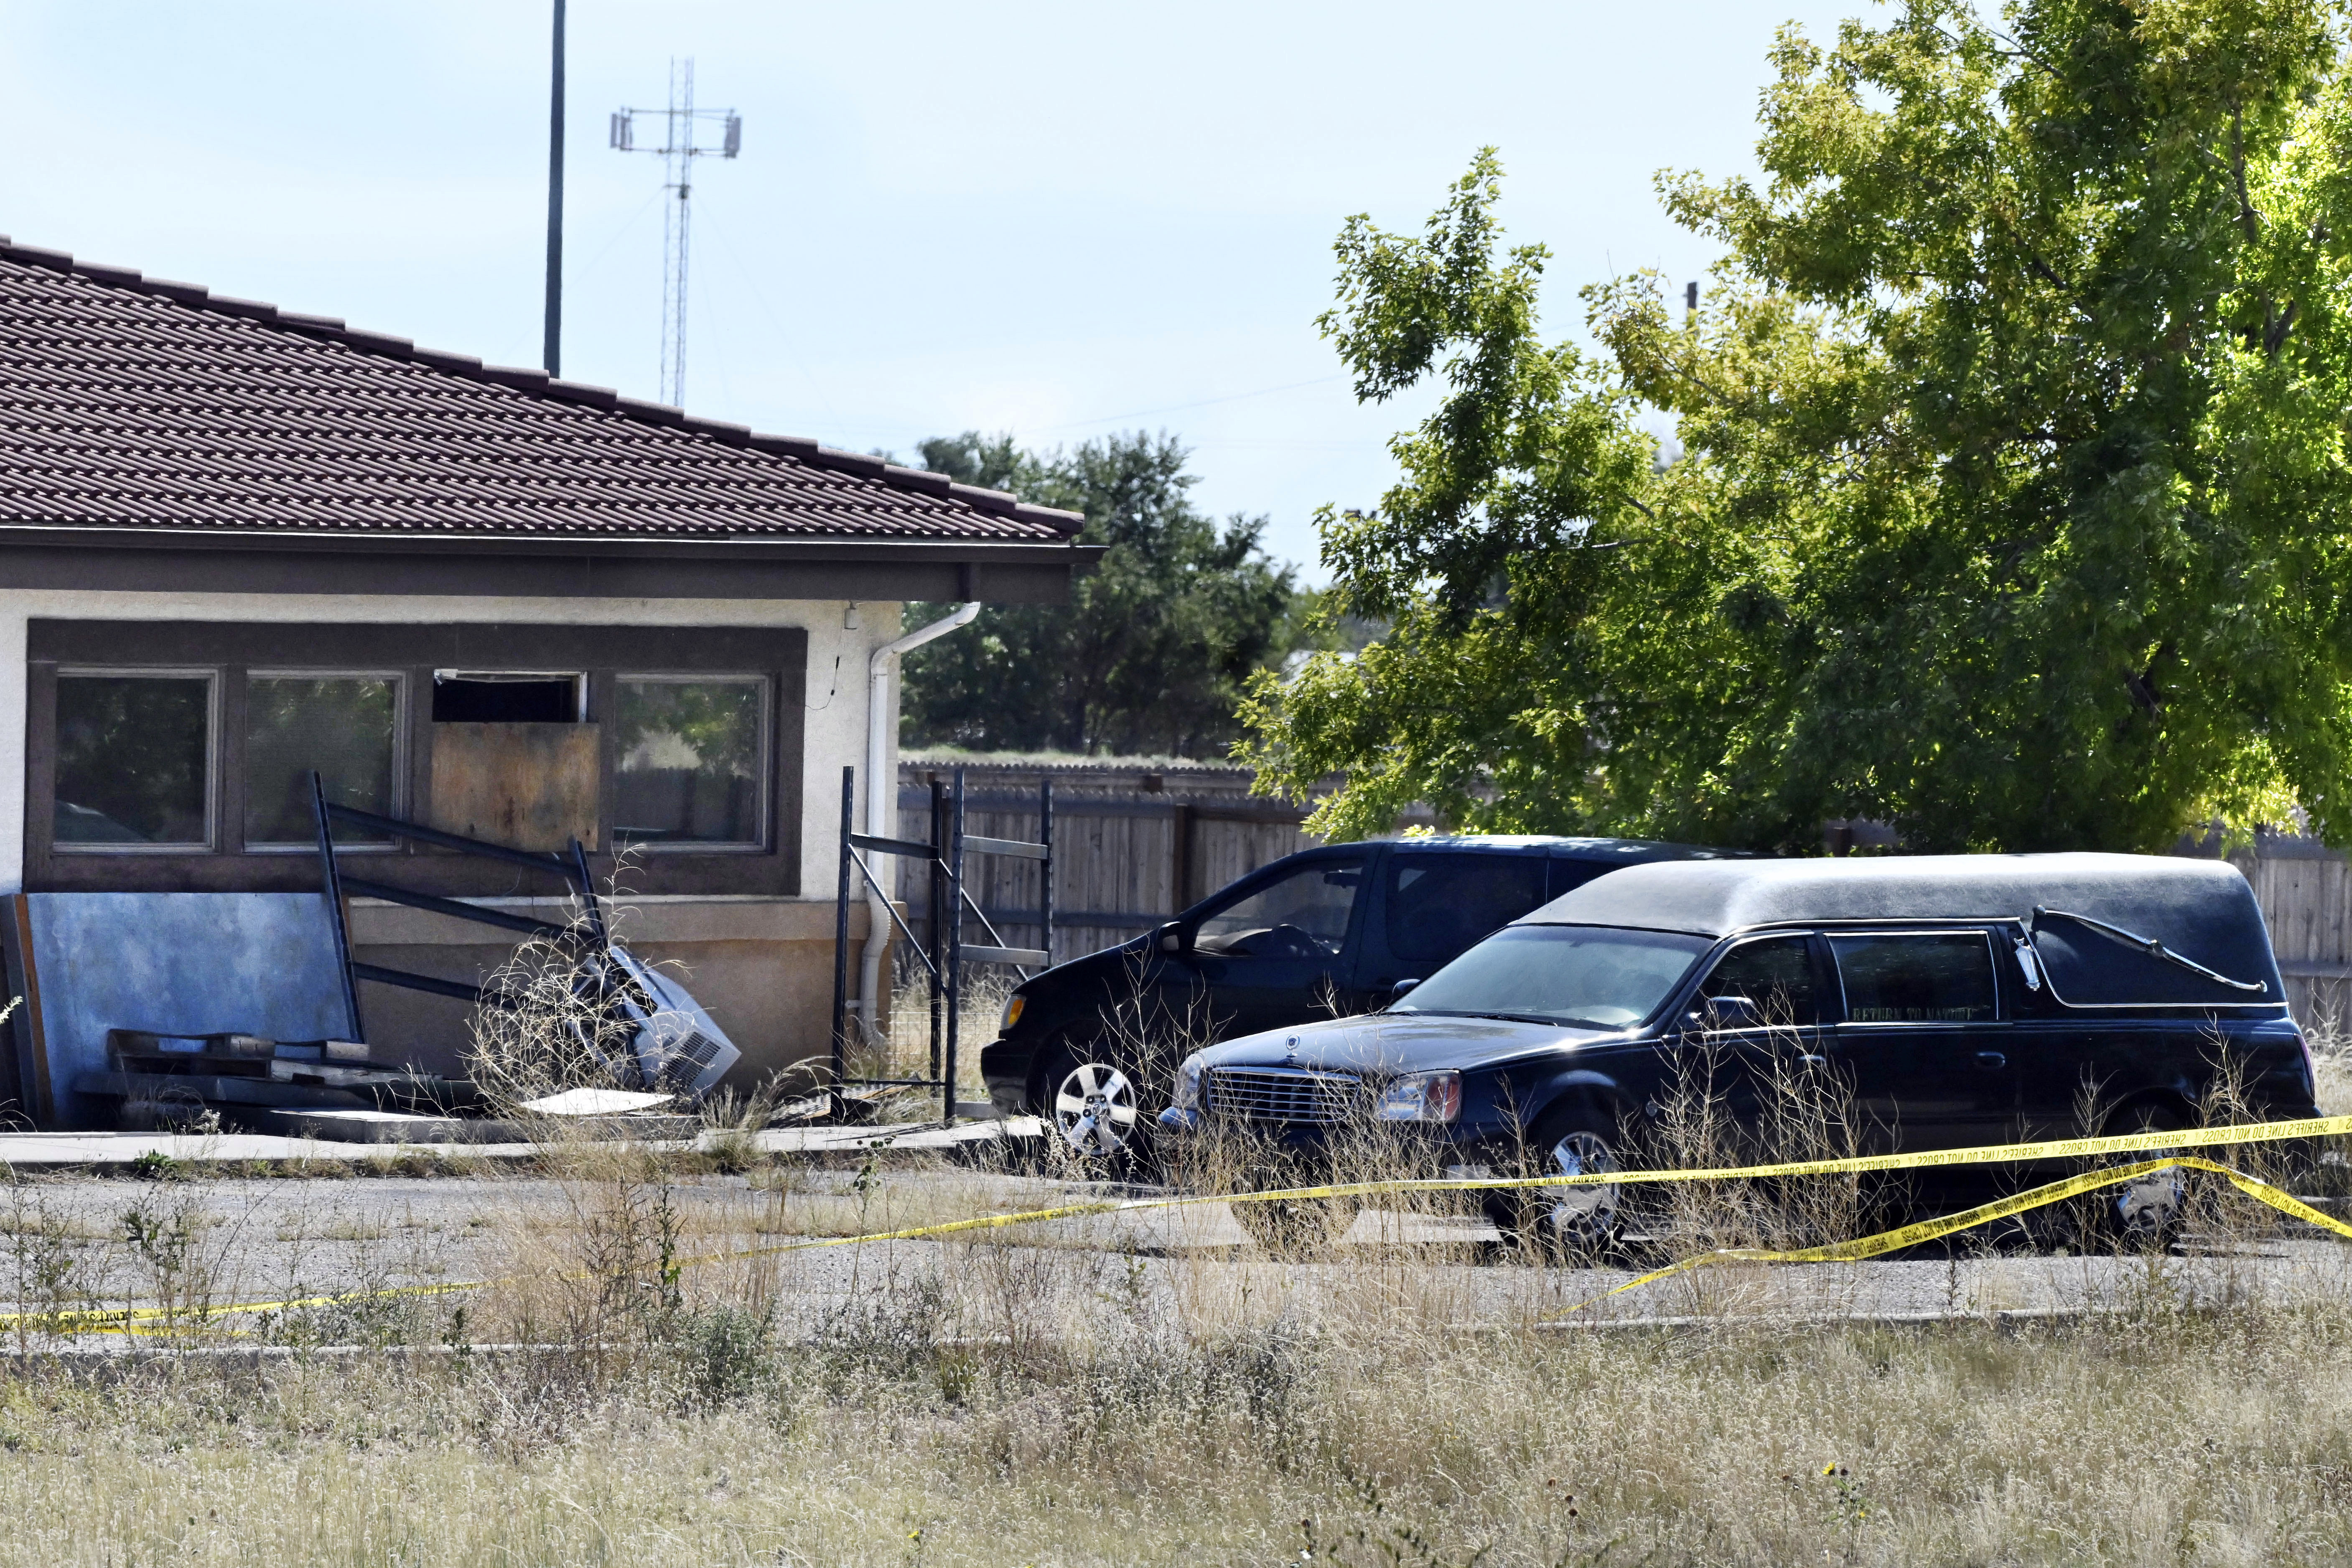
767,307
1203,403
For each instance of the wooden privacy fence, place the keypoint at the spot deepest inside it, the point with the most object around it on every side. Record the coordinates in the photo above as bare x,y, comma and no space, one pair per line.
1133,843
1137,842
2304,889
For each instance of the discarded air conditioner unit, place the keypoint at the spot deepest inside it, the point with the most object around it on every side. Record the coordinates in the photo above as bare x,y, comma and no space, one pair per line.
677,1047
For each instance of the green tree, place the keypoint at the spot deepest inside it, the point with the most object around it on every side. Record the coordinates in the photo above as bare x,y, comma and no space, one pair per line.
2011,506
1151,655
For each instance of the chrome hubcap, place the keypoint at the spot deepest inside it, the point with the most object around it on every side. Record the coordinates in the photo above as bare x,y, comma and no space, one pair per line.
1095,1109
1582,1214
2146,1206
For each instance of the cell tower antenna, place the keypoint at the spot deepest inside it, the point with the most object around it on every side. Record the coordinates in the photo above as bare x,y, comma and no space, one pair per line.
678,152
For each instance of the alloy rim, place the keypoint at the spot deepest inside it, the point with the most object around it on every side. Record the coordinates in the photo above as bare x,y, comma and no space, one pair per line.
1582,1214
2147,1208
1095,1109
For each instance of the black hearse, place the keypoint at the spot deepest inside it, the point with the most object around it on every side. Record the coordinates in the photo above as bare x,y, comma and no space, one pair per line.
1959,999
1329,931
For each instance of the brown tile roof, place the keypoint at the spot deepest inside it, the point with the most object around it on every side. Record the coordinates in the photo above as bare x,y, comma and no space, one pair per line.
132,403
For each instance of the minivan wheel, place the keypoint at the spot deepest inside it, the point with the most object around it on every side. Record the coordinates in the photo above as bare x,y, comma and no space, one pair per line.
1092,1106
1566,1222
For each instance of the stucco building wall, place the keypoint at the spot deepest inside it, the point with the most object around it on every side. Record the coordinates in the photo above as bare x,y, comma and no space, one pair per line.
762,965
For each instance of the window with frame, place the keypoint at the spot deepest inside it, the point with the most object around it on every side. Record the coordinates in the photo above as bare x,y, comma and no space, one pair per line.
1915,977
1776,973
689,761
1302,915
345,727
177,754
1438,904
134,761
509,697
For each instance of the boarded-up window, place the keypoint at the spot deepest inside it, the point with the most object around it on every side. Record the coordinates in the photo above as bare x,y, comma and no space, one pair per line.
344,727
690,760
134,761
527,786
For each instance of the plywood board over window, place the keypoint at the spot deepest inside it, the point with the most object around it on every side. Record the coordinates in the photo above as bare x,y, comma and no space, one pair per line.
532,786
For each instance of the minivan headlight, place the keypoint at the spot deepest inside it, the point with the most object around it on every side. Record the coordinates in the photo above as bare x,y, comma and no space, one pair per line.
1188,1083
1013,1005
1423,1097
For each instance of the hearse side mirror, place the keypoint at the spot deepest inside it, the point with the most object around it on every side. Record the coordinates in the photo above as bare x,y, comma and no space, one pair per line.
1728,1013
1396,992
1169,938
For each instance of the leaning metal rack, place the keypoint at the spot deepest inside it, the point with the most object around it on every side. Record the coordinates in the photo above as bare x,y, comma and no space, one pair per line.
941,950
571,865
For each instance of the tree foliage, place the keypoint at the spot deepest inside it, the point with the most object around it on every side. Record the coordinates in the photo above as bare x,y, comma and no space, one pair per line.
2011,502
1151,655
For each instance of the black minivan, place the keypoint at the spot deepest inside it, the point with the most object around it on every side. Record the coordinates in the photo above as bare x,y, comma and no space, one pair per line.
1951,1002
1325,932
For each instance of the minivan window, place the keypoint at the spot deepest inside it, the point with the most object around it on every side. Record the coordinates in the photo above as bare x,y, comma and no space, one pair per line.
1302,915
1905,977
1775,973
1440,904
1594,975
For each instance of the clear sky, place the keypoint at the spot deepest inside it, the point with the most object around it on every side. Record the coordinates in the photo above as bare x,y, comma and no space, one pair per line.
1053,220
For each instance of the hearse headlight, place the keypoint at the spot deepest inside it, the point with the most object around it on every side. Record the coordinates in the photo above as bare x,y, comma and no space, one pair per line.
1013,1005
1423,1097
1188,1084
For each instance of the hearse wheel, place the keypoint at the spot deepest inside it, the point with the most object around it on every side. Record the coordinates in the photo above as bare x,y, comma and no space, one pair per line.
1092,1105
2144,1215
1567,1223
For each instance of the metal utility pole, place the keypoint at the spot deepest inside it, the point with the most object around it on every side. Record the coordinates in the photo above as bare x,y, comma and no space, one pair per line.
677,152
552,356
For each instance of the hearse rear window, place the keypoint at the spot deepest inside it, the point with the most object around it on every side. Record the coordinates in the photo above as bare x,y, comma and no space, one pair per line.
1906,977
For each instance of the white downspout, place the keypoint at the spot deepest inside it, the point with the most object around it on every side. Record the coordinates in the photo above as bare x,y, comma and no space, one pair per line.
882,799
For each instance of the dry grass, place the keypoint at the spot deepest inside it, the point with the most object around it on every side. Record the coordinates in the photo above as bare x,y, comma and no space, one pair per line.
904,1050
1107,1392
993,1401
915,1428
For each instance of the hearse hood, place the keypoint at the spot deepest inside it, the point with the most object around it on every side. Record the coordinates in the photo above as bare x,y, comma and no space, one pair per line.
1382,1043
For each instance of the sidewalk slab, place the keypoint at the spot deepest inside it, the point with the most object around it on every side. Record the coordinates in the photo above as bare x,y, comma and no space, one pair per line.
899,1135
34,1151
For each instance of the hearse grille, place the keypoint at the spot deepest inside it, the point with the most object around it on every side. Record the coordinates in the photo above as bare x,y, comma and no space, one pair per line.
1283,1094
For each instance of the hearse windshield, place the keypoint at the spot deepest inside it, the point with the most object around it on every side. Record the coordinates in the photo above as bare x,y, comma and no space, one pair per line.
1590,976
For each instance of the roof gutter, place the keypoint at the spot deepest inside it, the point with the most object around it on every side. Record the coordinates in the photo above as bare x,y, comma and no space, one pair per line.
882,797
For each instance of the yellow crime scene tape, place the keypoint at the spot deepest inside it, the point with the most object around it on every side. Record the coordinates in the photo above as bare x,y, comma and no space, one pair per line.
1925,1231
144,1319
